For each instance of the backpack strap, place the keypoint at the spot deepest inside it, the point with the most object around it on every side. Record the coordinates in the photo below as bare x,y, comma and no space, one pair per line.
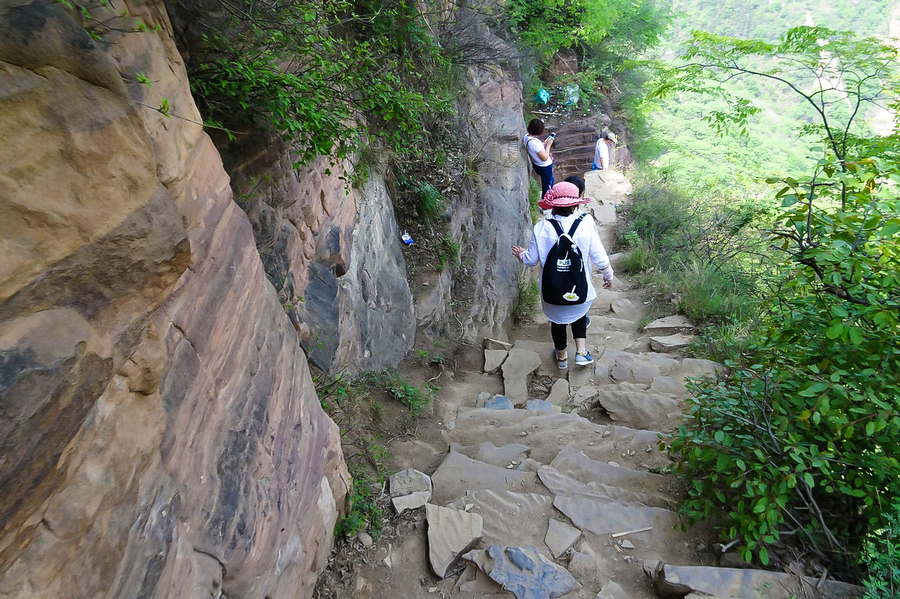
557,226
574,225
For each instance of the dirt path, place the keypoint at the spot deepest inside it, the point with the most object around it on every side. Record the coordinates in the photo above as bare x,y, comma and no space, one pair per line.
552,472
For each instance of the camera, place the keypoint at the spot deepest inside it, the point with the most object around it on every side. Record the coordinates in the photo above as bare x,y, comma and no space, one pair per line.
552,135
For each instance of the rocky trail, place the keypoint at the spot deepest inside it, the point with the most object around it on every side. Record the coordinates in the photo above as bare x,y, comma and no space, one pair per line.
539,483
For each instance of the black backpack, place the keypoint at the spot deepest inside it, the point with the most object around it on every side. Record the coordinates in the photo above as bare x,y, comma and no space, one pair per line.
564,280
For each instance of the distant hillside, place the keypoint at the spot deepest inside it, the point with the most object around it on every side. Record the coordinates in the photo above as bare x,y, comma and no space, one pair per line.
693,155
766,20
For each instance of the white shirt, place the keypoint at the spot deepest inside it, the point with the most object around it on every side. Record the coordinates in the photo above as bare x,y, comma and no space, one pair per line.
588,241
534,145
601,154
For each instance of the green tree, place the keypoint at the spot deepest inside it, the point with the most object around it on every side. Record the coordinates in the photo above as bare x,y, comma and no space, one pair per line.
803,438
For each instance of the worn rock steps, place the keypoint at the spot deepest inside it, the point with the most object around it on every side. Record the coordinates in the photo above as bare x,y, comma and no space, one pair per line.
567,494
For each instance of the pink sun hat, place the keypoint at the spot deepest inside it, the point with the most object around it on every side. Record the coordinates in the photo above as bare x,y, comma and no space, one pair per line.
562,195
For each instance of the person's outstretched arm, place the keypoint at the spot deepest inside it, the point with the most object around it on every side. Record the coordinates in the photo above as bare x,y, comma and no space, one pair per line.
600,259
529,257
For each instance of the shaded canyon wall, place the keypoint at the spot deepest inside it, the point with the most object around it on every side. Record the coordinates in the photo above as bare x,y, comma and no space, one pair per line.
159,432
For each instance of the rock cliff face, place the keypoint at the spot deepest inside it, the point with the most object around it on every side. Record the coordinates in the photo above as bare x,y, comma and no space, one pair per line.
334,253
159,432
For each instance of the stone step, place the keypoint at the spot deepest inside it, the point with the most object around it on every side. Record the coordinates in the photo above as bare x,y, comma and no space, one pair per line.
640,409
670,343
489,453
658,491
459,473
669,325
560,484
621,366
676,581
548,434
510,518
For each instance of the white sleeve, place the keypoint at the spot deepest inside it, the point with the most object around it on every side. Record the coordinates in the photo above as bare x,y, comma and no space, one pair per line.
598,254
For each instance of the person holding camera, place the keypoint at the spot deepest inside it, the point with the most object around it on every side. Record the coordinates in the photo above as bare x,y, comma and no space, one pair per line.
539,152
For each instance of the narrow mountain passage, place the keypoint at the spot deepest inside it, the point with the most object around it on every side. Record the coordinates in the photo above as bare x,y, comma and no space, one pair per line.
548,482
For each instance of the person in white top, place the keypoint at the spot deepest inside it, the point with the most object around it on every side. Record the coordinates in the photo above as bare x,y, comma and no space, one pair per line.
563,199
603,150
539,152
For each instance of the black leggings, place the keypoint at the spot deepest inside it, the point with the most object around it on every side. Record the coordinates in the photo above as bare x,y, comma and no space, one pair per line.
558,332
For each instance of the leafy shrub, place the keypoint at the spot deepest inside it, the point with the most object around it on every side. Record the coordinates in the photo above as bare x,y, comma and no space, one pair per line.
414,398
324,76
362,513
882,558
807,435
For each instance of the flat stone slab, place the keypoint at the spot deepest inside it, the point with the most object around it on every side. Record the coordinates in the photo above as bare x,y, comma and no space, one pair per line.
612,590
670,325
410,502
516,372
493,359
458,474
450,534
560,536
670,343
676,581
575,464
541,405
524,571
625,309
640,409
609,517
543,348
510,518
410,489
489,453
489,343
409,481
559,393
560,484
498,402
548,434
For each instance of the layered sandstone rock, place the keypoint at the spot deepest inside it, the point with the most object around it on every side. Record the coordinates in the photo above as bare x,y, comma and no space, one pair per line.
332,252
159,433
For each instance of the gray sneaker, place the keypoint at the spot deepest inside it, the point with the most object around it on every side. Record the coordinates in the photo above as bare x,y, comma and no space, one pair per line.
561,364
584,359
